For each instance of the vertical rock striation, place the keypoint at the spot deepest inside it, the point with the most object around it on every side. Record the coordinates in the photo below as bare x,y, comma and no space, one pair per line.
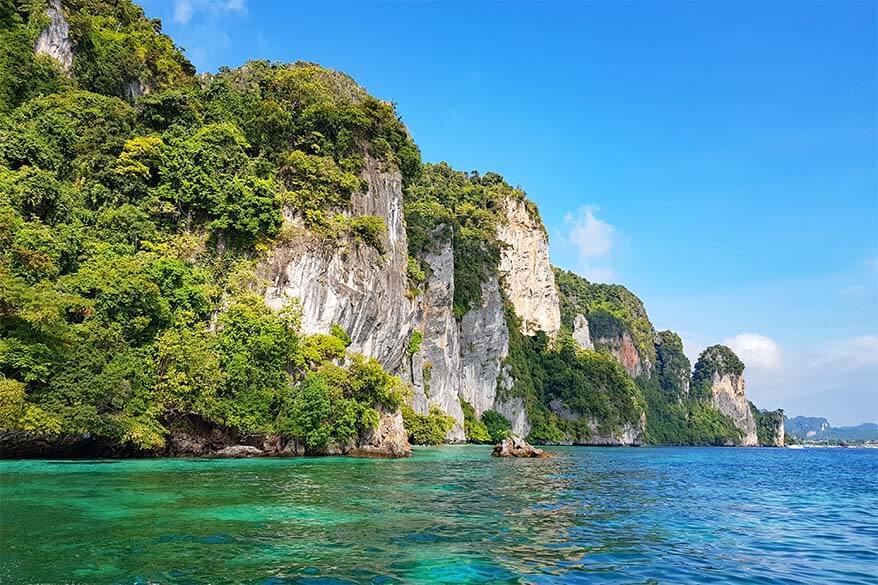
527,275
719,379
581,333
728,397
484,344
54,40
347,282
625,352
439,355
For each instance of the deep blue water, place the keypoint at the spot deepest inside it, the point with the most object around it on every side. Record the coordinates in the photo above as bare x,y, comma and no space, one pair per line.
448,515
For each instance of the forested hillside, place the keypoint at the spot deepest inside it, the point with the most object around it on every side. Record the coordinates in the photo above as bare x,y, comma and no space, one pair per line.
175,252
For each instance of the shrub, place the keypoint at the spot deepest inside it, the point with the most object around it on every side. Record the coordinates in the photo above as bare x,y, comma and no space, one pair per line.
427,429
414,344
475,430
368,229
497,426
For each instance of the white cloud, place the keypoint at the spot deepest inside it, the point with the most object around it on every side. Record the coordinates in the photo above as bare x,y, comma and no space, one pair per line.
836,381
757,351
854,353
864,349
183,9
592,238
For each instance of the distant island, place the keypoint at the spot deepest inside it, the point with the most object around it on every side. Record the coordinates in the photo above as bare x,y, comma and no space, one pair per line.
810,429
258,260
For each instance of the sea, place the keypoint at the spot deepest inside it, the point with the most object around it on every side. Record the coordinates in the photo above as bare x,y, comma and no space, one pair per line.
450,514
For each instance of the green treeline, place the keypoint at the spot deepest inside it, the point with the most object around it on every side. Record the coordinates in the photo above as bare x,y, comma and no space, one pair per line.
136,200
677,404
129,232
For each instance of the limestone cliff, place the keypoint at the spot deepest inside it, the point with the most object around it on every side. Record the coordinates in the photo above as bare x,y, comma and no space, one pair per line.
623,349
436,366
770,429
525,270
607,317
719,379
779,439
672,366
597,434
728,397
348,282
356,286
581,333
484,345
54,40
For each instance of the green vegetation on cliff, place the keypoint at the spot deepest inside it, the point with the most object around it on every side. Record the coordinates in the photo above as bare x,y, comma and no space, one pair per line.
768,425
716,360
129,229
611,311
444,203
136,200
474,429
426,429
674,416
117,50
564,388
688,422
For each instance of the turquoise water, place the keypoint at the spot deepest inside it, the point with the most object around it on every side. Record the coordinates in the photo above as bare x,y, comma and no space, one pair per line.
448,515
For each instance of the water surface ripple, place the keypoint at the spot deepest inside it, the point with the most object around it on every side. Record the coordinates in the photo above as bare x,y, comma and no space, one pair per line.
448,515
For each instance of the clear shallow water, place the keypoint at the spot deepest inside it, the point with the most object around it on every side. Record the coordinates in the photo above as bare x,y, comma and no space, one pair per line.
449,515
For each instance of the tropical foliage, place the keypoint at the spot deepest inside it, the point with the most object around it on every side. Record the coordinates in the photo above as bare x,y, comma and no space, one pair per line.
566,389
426,429
466,208
130,225
611,310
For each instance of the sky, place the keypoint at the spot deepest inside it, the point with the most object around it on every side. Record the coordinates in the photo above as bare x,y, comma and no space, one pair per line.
720,159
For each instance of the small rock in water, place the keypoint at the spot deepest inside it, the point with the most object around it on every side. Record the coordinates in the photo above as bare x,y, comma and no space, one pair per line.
239,451
517,447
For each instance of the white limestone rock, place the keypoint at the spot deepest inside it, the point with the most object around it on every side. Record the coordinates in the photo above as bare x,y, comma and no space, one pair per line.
581,333
525,270
54,40
728,397
350,283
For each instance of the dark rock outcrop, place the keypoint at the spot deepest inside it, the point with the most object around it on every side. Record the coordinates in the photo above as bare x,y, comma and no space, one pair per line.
517,447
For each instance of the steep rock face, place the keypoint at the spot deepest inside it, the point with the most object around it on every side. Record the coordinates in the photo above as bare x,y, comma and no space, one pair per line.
779,433
347,282
727,395
525,270
607,317
484,344
628,434
672,366
625,352
581,334
439,355
54,40
514,410
389,440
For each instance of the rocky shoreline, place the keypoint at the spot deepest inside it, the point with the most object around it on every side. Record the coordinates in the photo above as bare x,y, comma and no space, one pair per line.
194,437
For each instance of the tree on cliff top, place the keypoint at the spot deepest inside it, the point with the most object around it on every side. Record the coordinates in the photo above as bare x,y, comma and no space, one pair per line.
129,225
715,360
611,310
